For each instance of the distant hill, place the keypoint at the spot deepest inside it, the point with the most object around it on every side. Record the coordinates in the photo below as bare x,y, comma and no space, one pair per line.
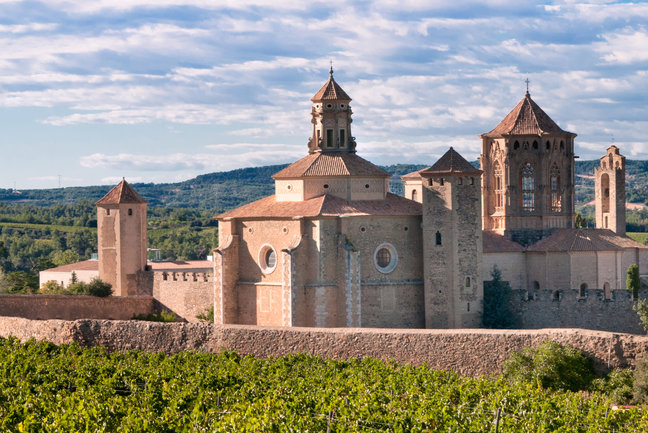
221,191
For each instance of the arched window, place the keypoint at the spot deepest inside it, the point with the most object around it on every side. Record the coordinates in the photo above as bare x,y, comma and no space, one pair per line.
467,281
528,188
438,238
516,145
535,144
556,199
582,290
548,145
562,145
498,184
414,195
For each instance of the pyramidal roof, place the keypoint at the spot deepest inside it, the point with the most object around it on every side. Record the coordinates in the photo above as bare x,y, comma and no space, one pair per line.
527,118
450,162
122,193
331,91
321,164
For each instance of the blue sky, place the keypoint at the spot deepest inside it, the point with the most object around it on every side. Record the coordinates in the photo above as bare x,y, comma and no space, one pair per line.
163,90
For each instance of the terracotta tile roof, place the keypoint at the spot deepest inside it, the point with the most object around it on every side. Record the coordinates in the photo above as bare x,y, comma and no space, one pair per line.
450,162
527,118
325,205
181,265
86,265
331,164
122,193
495,243
331,91
414,175
584,240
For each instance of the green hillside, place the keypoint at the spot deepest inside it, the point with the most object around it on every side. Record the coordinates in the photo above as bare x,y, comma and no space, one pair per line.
221,191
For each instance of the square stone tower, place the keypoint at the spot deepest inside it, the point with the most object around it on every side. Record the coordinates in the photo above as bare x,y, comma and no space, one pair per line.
121,238
452,243
610,192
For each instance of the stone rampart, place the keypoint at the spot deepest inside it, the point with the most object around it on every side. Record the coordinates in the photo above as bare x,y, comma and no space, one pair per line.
188,294
42,307
470,352
569,308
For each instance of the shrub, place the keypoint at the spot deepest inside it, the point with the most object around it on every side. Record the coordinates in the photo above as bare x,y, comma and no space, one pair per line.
617,385
641,307
640,384
52,288
633,282
99,288
207,315
550,365
164,316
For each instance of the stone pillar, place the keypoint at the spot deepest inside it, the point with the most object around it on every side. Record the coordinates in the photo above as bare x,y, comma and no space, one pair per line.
226,272
352,286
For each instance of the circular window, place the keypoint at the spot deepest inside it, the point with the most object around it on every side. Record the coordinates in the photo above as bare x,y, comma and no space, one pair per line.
325,185
385,258
366,185
329,106
362,229
267,259
289,187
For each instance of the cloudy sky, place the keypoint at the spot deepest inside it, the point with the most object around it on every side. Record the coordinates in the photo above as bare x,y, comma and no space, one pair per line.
163,90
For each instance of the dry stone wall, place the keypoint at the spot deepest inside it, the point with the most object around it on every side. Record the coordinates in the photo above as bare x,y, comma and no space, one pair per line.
470,352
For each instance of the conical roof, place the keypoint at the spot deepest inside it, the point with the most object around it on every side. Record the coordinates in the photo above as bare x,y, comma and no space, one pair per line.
331,91
337,164
451,162
527,118
122,193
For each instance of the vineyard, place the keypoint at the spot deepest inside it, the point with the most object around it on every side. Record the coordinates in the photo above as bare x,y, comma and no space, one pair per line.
48,388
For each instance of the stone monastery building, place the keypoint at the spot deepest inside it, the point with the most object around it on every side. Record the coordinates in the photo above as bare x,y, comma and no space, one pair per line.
334,248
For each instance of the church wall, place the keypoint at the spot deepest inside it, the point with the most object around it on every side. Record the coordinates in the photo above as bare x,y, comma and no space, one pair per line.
393,305
314,187
413,187
322,306
289,190
536,271
369,188
260,304
558,270
584,269
512,265
607,270
254,234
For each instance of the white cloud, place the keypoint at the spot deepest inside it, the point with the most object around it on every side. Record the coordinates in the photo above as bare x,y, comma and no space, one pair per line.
628,46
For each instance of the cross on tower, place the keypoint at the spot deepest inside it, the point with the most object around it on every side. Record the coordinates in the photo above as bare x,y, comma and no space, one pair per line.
527,84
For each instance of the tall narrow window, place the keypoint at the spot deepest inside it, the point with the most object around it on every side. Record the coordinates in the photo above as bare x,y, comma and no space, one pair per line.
414,195
528,188
438,238
342,142
498,182
556,200
329,138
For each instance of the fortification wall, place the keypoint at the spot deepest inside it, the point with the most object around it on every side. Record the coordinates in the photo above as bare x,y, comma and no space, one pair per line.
470,352
41,307
187,294
567,309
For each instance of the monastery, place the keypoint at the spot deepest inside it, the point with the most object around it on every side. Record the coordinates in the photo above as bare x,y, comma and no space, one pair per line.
333,247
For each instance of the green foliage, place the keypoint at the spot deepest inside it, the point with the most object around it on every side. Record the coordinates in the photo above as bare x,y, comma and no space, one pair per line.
19,282
633,282
497,313
617,385
550,366
71,389
639,237
164,316
641,307
96,287
207,315
640,385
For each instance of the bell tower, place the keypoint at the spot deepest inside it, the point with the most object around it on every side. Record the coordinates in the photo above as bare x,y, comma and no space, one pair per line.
121,238
610,192
331,120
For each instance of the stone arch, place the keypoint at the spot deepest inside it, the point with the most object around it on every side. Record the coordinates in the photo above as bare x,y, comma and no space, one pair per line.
527,186
414,194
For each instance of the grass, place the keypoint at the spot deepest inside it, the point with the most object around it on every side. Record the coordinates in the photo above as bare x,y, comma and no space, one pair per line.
51,227
639,237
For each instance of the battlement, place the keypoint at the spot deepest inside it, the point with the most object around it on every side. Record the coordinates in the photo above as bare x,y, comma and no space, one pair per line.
182,276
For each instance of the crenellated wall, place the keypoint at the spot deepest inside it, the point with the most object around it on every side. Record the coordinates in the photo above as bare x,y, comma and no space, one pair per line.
568,309
187,294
